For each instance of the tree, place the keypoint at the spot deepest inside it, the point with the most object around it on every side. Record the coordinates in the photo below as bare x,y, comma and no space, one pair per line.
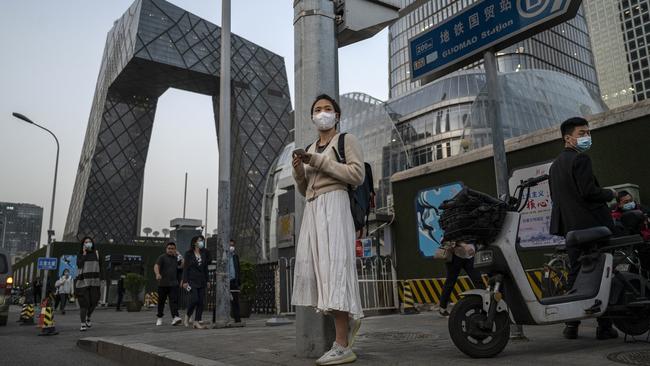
165,232
156,233
147,231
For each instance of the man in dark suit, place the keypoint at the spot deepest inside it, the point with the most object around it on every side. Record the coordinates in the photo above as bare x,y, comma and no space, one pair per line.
235,281
578,203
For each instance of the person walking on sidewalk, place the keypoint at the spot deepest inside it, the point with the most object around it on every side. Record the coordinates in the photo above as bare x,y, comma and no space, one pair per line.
165,270
461,257
235,281
64,288
195,279
120,292
325,273
88,281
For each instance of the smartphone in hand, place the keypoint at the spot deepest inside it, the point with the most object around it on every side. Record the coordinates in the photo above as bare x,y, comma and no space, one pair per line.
299,152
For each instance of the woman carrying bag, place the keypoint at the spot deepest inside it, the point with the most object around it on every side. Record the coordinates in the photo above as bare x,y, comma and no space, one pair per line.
458,256
325,273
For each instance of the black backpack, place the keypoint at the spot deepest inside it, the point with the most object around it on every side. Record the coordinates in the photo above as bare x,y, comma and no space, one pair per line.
361,196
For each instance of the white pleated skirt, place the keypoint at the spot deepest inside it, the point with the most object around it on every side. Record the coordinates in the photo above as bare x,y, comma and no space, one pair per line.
325,274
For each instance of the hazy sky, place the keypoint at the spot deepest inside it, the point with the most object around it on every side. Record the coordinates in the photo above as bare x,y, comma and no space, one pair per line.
49,61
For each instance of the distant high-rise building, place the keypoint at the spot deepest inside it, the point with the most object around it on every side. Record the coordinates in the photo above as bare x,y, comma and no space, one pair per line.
620,31
565,48
20,227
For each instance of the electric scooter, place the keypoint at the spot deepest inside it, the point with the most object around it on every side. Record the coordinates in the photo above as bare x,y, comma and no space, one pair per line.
479,324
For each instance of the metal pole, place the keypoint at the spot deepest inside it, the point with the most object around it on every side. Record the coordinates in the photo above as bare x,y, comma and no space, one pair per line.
205,233
498,146
222,293
50,232
185,196
316,72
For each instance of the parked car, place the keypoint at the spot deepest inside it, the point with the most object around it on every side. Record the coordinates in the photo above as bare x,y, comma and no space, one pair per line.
6,283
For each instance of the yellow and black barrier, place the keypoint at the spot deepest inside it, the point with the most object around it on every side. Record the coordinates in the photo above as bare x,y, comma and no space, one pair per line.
408,302
46,320
151,299
27,315
429,290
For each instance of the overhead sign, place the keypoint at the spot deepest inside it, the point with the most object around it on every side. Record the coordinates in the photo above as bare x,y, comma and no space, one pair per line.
46,263
463,38
535,221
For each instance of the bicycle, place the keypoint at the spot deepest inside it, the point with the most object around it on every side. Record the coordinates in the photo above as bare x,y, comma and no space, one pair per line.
555,273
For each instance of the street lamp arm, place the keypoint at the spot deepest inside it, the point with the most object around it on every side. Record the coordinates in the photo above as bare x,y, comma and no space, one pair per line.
50,232
24,118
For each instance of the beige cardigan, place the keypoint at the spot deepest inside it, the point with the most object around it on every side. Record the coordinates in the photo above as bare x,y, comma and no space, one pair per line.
325,174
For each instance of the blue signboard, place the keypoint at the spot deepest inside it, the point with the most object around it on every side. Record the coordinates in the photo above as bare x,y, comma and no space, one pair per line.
427,207
46,263
463,38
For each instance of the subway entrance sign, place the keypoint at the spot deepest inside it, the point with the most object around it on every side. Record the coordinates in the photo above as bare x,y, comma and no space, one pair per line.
487,25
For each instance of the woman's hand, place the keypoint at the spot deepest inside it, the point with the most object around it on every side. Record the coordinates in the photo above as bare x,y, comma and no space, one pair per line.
306,158
185,285
297,163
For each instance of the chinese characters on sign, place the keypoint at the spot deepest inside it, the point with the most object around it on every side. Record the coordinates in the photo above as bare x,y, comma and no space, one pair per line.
462,38
536,215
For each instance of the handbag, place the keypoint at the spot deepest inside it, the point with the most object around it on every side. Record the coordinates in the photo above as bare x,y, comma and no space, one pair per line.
445,251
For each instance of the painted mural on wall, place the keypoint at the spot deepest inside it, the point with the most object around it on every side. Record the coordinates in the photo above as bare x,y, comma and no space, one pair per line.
427,206
68,262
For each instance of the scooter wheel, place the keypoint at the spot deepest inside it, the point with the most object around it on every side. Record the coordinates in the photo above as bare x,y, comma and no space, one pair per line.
469,337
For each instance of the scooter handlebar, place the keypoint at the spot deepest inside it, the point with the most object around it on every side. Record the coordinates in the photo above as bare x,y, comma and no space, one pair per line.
534,181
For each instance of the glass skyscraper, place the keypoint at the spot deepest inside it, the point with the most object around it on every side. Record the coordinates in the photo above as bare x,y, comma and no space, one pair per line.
620,30
153,47
20,227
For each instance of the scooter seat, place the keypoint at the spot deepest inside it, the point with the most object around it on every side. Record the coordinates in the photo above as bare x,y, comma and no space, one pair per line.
594,234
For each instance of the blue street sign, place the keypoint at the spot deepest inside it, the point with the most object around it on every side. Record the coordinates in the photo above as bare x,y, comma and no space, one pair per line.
46,263
489,24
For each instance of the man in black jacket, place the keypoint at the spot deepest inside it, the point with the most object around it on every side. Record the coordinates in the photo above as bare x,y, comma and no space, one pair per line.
578,203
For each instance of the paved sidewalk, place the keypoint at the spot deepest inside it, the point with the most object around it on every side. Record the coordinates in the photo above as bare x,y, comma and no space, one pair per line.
385,340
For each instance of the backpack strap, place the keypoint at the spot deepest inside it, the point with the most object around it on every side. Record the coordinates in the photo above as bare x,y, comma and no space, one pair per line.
340,154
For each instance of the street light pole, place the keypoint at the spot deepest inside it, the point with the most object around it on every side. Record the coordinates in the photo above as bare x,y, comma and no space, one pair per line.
50,231
316,72
222,293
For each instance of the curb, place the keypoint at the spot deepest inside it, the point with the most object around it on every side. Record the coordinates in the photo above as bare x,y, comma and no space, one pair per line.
141,354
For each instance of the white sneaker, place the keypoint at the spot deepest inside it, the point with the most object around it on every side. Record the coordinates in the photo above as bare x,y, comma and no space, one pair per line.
159,322
83,327
186,321
198,325
354,325
88,323
177,320
338,355
443,312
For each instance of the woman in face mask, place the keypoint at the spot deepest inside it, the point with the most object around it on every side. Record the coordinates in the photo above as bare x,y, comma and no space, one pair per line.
195,279
88,281
325,272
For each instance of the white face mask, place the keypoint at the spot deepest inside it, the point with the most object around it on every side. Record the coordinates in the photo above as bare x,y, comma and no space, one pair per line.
232,249
325,120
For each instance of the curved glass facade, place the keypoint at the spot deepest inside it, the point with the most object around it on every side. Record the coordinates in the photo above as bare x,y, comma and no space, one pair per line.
434,119
532,100
565,48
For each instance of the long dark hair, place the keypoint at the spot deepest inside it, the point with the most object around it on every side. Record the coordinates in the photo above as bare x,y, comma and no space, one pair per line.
195,240
81,250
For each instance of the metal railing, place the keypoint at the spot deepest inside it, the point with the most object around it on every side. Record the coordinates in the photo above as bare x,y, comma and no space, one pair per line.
377,284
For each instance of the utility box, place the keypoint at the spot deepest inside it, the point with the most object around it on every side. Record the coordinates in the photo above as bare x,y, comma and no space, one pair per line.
183,232
357,20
